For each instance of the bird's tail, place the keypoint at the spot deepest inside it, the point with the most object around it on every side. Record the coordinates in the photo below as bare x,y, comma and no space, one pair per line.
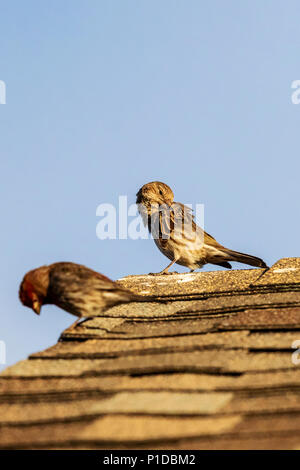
244,258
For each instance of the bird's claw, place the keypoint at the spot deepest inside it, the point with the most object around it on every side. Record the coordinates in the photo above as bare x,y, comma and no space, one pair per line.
163,273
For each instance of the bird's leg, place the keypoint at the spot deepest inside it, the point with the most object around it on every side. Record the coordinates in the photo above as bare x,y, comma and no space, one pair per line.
165,271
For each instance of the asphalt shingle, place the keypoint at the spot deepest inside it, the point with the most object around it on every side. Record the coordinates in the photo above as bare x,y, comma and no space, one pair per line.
211,368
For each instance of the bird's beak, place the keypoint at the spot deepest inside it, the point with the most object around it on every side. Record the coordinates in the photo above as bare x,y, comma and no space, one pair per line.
36,307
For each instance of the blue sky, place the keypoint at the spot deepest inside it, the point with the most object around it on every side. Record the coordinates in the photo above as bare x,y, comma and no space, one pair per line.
104,96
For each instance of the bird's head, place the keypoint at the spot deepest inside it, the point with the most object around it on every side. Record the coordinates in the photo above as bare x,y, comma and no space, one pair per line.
155,193
34,287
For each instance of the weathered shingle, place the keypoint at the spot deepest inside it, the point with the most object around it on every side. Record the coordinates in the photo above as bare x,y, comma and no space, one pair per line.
211,368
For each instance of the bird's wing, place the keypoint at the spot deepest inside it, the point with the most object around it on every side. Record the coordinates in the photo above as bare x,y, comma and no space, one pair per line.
209,240
66,273
182,216
82,291
183,223
69,280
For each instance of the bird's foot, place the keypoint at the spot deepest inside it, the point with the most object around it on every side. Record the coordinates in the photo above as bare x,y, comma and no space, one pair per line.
163,273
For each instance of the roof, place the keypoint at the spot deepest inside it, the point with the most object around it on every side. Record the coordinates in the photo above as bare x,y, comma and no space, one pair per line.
210,369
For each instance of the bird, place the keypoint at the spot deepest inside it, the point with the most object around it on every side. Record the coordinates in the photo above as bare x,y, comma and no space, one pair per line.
178,237
74,288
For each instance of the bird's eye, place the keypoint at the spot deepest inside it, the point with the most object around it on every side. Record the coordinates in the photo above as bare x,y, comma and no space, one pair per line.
160,192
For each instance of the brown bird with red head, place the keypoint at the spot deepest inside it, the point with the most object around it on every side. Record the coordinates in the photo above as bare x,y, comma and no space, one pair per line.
74,288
